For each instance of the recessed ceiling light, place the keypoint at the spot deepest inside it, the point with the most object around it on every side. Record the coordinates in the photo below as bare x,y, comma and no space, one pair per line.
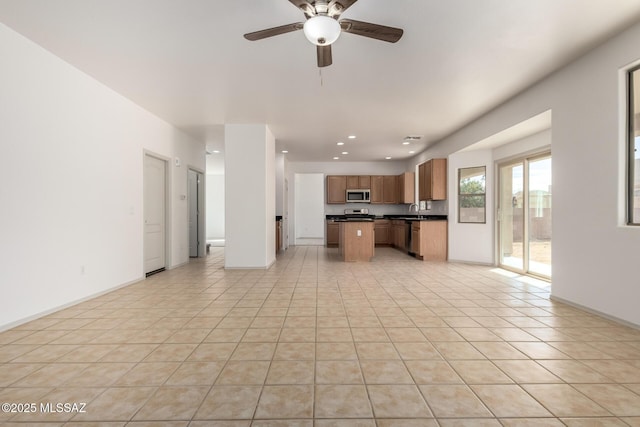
336,158
351,137
411,152
388,158
285,151
345,152
340,143
216,151
406,143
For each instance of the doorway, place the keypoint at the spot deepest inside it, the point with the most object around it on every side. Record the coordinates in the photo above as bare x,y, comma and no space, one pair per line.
155,190
524,215
196,205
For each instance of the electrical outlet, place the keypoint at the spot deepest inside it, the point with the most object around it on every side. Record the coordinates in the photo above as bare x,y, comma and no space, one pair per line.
359,233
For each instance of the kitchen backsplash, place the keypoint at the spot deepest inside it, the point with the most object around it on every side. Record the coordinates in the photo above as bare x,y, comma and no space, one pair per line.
439,207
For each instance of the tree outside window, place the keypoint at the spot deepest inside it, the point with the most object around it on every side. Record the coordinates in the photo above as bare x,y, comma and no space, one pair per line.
472,195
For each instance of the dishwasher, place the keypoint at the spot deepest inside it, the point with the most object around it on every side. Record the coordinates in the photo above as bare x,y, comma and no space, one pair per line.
407,236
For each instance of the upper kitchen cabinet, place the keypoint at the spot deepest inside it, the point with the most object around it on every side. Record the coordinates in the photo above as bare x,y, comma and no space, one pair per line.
406,187
377,188
389,189
383,189
358,182
432,180
337,189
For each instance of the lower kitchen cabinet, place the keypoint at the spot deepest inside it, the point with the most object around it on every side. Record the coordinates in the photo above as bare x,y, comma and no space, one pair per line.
399,233
333,233
382,230
429,240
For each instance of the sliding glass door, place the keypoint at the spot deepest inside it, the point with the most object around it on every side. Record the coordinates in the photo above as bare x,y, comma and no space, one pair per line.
524,215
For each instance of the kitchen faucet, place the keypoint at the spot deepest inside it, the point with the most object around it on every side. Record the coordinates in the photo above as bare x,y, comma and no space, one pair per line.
412,205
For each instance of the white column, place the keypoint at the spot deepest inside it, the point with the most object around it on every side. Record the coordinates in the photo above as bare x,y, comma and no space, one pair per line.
250,196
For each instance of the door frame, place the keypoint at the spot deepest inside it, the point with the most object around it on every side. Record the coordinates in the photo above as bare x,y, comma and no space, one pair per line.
202,213
167,208
525,159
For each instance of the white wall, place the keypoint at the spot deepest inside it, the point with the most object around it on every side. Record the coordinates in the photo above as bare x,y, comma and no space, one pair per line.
535,143
594,254
470,242
309,202
215,207
250,196
72,193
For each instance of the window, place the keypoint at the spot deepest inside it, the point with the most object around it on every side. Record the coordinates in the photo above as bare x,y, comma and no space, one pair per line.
634,147
472,195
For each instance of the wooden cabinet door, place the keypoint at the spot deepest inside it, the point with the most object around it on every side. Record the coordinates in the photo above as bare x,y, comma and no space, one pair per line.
406,186
422,181
439,179
377,184
428,180
336,189
382,229
333,233
389,192
358,182
353,182
415,240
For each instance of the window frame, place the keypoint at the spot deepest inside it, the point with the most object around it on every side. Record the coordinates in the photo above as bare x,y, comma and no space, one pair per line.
462,195
631,169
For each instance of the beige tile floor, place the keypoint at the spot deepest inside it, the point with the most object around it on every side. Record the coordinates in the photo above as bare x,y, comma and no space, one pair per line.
317,342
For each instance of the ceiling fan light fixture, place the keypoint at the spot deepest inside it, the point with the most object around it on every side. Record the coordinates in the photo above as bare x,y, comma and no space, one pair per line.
321,30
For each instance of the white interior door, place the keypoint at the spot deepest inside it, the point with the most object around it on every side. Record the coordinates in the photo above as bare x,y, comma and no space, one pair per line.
194,212
154,214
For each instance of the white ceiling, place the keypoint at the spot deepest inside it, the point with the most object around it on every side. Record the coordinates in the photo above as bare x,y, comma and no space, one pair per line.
187,62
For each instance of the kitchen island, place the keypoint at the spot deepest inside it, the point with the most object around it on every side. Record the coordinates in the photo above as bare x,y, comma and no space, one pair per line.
356,240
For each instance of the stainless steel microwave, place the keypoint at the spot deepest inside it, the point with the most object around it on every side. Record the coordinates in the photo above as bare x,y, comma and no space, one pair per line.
359,196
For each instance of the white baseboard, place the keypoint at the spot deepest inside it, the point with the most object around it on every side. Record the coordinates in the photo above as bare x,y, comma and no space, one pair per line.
63,306
596,312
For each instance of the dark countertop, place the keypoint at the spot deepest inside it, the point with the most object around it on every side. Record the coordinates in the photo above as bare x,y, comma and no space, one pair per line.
405,217
418,217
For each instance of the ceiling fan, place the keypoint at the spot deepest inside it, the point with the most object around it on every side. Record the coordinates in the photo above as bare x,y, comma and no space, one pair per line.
322,27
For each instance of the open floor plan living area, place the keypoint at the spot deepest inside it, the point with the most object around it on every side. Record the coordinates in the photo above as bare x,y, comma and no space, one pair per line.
314,341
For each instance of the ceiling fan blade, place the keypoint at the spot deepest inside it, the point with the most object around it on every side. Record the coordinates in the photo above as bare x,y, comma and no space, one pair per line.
374,31
275,31
337,7
324,56
305,7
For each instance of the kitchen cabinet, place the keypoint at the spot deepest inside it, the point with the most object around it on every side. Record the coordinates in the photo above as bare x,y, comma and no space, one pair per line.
336,189
382,230
406,188
389,189
333,230
356,240
429,240
398,231
377,188
432,180
358,182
